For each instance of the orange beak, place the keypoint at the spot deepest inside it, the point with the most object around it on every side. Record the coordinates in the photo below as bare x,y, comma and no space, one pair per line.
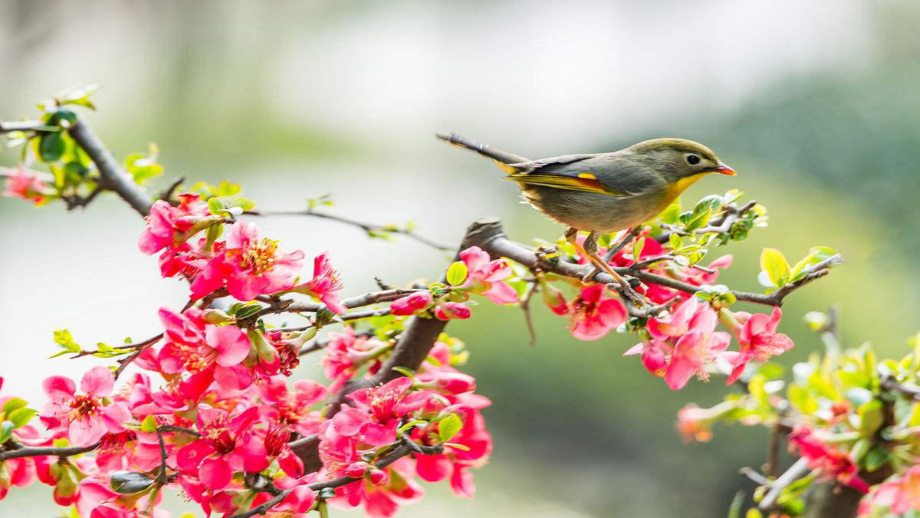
724,169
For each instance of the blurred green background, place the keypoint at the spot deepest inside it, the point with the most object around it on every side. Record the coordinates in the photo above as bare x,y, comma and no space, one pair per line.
815,103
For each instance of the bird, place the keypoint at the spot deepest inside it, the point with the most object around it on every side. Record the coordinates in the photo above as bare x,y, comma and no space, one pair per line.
602,193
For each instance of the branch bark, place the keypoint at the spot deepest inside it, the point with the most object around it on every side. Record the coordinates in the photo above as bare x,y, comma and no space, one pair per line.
112,176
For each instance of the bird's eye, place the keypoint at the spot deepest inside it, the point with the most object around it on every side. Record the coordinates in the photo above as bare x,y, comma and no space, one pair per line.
693,159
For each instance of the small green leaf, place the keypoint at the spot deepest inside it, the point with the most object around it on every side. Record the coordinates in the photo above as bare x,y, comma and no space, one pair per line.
63,338
457,446
774,263
877,458
734,511
13,404
871,417
457,273
637,249
215,206
130,482
21,416
405,371
449,427
51,147
149,424
432,360
6,431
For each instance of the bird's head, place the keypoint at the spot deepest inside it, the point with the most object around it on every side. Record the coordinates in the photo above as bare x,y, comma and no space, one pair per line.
680,160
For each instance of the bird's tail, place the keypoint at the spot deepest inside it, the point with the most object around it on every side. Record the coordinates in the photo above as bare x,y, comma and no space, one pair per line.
482,149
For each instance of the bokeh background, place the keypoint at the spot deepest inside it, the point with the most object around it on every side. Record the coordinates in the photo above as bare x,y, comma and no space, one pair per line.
815,103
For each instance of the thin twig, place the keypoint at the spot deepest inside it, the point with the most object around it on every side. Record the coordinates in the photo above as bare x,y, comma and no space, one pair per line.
795,472
369,228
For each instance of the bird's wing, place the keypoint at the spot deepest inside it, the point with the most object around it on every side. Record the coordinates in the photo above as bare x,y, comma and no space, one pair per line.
603,174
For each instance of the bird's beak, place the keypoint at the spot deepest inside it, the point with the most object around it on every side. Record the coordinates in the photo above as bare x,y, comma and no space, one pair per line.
724,169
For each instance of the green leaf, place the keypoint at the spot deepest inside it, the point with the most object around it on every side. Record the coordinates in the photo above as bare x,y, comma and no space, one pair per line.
432,360
63,338
243,203
6,431
51,147
637,249
13,404
215,206
21,416
671,215
774,263
457,446
130,482
449,427
700,220
815,255
877,458
457,273
871,417
405,371
734,511
149,424
753,513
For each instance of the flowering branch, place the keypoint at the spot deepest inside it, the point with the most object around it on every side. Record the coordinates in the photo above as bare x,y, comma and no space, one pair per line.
494,241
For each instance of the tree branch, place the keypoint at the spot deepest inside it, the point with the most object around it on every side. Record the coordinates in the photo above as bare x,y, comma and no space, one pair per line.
497,244
111,175
43,452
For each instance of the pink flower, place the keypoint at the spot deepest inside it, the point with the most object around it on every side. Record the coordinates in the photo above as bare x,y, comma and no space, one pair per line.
24,184
554,299
694,423
198,347
221,449
325,284
345,353
452,310
377,412
292,406
595,313
833,463
683,344
408,305
249,267
487,277
695,350
901,493
85,415
167,224
757,339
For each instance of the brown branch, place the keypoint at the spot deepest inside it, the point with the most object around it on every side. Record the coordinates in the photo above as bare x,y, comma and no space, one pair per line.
111,175
498,245
369,228
20,452
141,347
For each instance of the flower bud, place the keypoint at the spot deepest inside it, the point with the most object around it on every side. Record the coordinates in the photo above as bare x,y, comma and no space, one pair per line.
554,299
379,477
265,353
302,338
456,382
452,310
357,469
215,316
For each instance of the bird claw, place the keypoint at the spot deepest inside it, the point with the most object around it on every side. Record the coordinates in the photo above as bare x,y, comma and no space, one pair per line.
629,293
592,272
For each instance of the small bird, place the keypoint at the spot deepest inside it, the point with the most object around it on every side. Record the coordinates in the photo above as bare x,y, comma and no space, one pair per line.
605,192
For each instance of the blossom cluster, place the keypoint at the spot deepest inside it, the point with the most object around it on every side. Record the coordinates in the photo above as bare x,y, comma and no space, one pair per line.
208,410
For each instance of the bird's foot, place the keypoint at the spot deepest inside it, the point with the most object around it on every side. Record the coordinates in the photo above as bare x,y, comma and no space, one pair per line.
627,291
592,271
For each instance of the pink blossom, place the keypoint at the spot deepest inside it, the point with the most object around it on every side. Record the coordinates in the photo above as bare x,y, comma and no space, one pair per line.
222,447
325,284
249,267
345,353
694,423
654,356
22,183
695,350
166,225
757,339
452,311
486,277
292,406
198,347
594,313
377,411
85,415
408,305
900,494
833,463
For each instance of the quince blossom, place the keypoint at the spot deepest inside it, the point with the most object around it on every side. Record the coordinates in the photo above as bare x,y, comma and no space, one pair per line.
757,339
86,416
487,277
21,183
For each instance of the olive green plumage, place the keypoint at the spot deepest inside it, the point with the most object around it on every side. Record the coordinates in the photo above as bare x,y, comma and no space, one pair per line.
607,192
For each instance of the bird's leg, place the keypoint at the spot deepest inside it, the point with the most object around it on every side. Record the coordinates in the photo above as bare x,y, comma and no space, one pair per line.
590,250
